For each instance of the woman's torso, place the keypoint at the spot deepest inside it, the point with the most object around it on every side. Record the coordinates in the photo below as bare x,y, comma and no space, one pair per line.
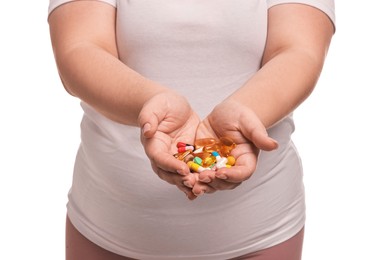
205,50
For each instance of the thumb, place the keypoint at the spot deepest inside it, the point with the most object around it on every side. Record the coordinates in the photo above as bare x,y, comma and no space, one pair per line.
253,129
148,121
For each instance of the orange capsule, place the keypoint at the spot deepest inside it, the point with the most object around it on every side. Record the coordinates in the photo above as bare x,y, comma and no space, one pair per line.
204,142
202,155
207,162
188,158
182,156
226,145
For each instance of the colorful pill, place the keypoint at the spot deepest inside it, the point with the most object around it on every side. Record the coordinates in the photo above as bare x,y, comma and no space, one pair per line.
208,161
195,167
185,148
231,160
188,158
181,144
216,155
204,142
207,154
226,146
221,163
197,160
183,155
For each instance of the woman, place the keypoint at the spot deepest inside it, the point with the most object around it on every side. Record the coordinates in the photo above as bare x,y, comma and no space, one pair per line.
150,74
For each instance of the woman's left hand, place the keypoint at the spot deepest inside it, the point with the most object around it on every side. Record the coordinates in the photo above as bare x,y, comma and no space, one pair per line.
238,122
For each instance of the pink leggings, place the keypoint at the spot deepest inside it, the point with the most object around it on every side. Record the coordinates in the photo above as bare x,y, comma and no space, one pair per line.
79,247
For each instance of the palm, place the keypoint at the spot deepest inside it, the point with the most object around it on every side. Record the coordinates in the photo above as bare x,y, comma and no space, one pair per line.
171,119
233,120
245,152
166,120
170,131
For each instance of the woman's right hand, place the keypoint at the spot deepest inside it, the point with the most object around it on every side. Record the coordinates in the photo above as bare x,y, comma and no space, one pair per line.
165,120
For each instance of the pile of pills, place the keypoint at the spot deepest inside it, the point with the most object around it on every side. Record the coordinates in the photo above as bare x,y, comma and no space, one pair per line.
207,154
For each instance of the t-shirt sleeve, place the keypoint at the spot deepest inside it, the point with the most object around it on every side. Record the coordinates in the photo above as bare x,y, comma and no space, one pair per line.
55,3
327,6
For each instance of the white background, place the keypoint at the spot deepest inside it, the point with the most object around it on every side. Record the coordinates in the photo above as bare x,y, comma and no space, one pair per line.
342,134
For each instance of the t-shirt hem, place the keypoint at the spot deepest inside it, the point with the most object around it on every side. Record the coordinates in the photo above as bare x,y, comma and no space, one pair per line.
84,228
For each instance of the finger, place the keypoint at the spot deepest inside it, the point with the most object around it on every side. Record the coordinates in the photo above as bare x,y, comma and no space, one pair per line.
148,121
207,176
176,180
201,188
235,174
218,184
252,128
169,163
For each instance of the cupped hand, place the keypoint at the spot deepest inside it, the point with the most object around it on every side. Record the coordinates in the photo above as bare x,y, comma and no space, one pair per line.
238,122
165,120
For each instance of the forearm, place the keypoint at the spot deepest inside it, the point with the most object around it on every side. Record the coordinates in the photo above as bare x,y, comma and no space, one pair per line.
280,86
103,81
84,43
297,42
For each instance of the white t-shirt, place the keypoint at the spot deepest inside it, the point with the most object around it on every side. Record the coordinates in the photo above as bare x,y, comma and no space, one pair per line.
205,50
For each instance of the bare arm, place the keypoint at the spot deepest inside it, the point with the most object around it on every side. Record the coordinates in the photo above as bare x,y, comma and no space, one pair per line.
298,39
84,45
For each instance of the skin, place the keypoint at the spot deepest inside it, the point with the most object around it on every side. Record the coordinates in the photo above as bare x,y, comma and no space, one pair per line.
87,59
290,68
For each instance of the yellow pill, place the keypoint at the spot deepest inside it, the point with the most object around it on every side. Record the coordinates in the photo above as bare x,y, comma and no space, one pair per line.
208,161
195,167
231,160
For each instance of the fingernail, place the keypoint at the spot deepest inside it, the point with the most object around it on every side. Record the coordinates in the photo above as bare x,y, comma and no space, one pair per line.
180,172
199,194
146,128
187,195
205,179
187,184
221,176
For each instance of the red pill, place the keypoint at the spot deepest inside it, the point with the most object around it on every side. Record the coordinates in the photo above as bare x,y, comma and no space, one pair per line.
185,148
181,144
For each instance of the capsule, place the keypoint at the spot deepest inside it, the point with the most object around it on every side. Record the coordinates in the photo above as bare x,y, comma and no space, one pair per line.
221,163
198,160
182,156
209,161
226,145
216,155
205,143
181,144
185,148
195,167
